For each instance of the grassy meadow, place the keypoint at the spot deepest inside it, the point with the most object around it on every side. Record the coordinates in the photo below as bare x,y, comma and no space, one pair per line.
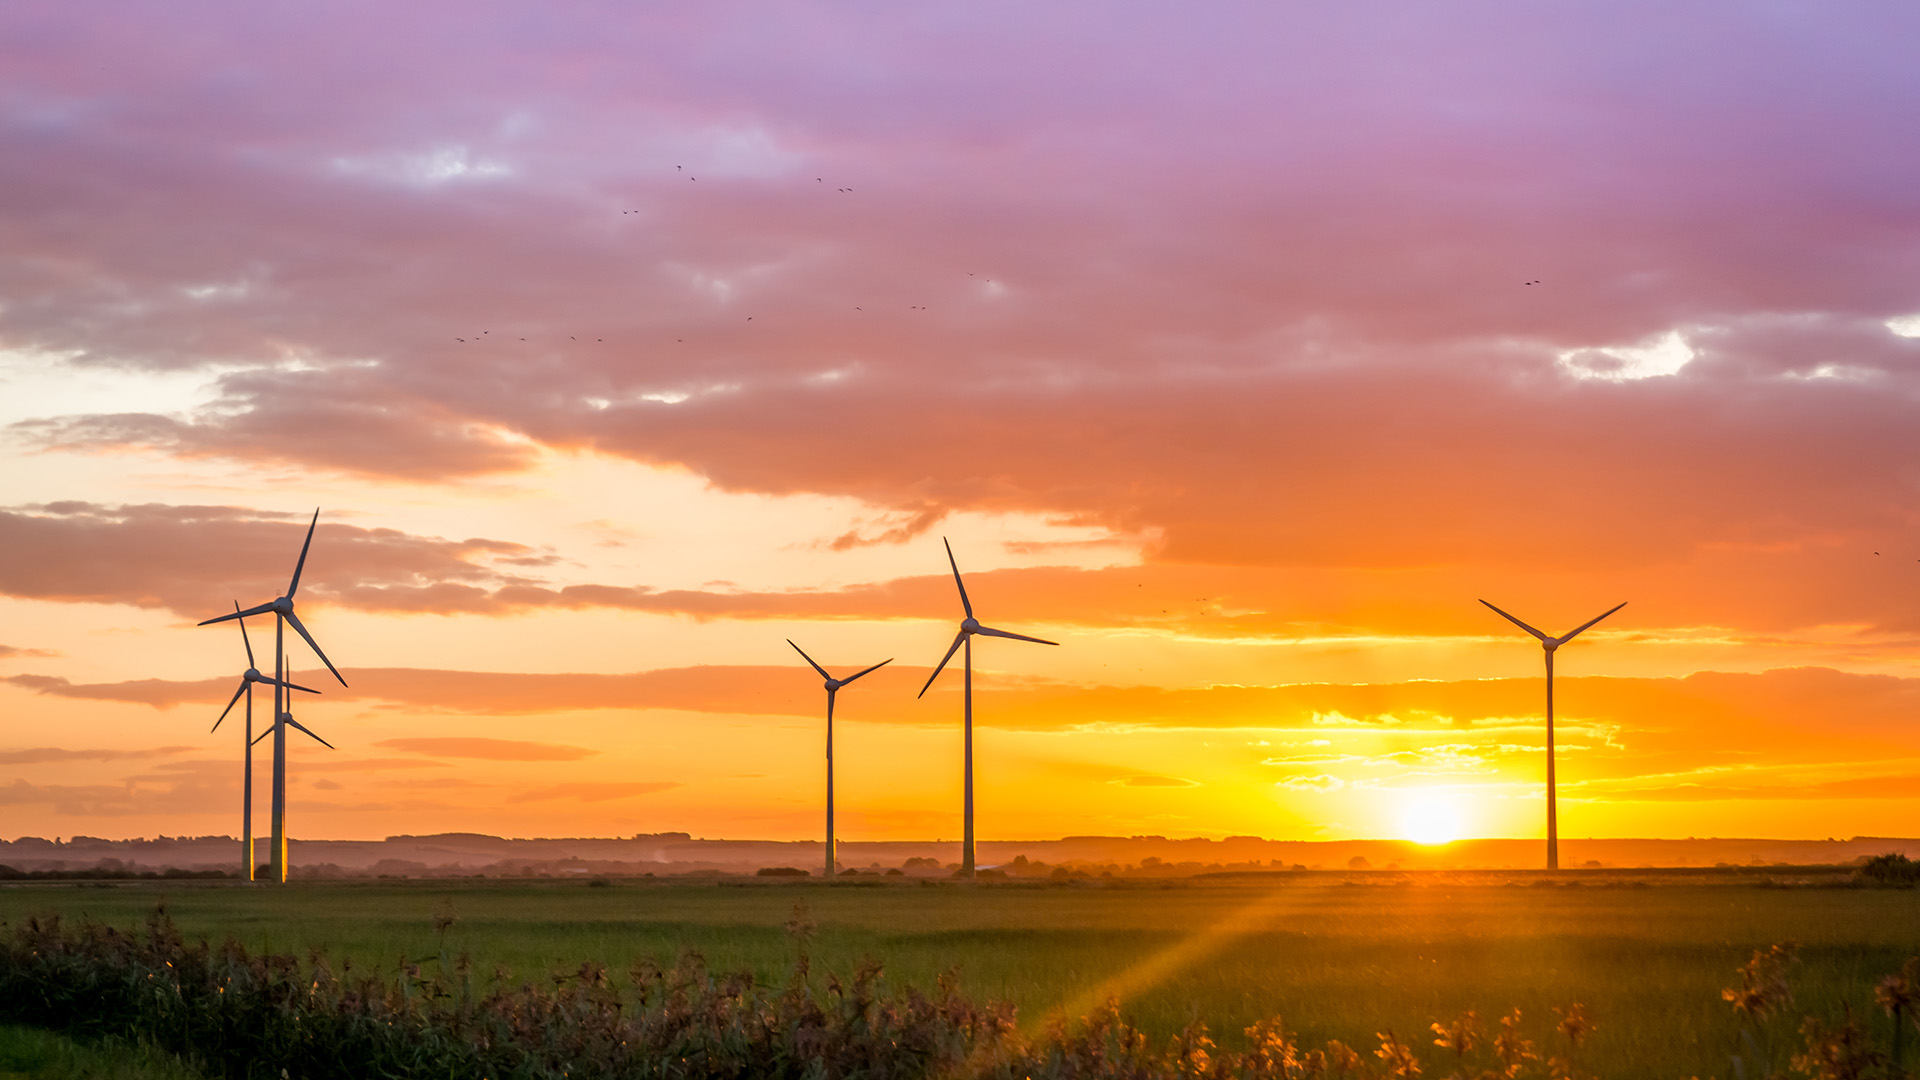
1338,956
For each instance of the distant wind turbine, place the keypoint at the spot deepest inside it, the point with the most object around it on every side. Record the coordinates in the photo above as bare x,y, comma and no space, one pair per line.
833,687
969,626
247,679
287,720
284,721
284,615
1550,644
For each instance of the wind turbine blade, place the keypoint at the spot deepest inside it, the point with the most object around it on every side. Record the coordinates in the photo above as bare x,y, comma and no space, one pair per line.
964,602
809,660
243,635
1589,622
294,585
957,639
291,722
991,632
258,609
294,621
264,732
288,685
875,667
230,705
1519,624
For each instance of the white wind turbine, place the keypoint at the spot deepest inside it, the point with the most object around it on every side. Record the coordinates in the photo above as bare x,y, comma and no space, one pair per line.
247,679
833,687
969,626
279,731
284,615
1550,644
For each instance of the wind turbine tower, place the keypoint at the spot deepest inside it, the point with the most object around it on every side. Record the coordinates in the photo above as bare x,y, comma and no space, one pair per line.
284,616
247,679
1550,645
283,721
833,687
969,627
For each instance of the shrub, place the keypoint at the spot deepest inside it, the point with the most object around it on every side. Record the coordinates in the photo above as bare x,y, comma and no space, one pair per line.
1892,870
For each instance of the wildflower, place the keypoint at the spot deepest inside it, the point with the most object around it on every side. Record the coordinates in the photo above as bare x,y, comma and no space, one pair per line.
1397,1055
1512,1049
1462,1036
1897,993
1838,1053
1574,1024
1763,983
1340,1059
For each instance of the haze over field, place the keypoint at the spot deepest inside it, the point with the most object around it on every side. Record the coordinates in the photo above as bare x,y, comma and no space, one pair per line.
1237,349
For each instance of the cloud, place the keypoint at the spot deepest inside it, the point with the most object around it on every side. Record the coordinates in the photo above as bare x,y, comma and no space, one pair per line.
47,755
9,651
1316,782
592,792
1764,706
1148,780
195,559
1723,788
1094,294
1629,736
488,749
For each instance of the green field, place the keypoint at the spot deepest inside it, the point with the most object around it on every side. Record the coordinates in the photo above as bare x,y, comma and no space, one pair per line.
29,1054
1336,959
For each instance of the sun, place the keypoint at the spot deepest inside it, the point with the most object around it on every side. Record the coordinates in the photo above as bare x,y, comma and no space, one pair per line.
1431,817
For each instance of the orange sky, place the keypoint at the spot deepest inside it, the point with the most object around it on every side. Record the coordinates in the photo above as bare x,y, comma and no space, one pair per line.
1240,352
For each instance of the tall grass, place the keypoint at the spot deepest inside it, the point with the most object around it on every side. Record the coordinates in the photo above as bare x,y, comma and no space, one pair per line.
1339,962
240,1014
36,1054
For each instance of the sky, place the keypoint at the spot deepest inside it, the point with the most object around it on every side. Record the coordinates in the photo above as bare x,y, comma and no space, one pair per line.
1238,348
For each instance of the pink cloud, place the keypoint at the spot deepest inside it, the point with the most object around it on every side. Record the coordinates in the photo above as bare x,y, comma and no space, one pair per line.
1264,292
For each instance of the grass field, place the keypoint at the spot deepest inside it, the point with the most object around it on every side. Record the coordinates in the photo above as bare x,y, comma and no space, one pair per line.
1336,959
28,1054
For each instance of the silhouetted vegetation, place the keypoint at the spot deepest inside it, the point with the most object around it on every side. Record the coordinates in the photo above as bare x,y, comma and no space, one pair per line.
1892,870
233,1013
105,873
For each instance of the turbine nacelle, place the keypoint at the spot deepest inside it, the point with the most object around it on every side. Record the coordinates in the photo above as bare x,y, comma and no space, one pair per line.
1548,641
969,626
282,606
832,684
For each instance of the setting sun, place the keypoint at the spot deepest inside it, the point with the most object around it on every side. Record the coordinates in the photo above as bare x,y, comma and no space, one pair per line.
1431,818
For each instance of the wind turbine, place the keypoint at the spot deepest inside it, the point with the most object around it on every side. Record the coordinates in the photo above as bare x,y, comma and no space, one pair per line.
833,687
1550,644
247,679
282,721
284,615
969,626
